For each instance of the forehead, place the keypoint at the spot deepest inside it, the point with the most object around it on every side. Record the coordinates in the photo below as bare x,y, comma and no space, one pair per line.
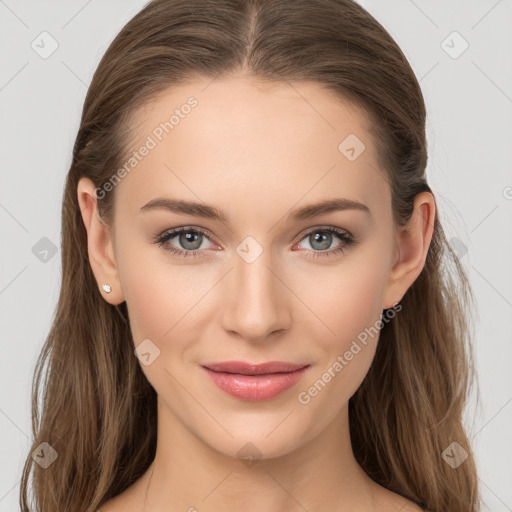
248,142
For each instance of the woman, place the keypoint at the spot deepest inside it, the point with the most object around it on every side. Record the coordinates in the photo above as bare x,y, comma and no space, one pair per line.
259,307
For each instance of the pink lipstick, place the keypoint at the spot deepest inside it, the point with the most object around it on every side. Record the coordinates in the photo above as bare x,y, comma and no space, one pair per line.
254,382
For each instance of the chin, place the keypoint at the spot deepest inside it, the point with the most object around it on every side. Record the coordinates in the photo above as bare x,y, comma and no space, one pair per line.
258,439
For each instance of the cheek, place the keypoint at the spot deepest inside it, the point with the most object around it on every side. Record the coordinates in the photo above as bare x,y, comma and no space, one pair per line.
163,305
348,299
168,303
164,299
156,293
349,305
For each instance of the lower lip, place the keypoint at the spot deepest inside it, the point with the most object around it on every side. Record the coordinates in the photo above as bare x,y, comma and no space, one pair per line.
255,388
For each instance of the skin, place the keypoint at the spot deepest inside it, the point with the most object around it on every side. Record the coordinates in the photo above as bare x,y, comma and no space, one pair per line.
257,151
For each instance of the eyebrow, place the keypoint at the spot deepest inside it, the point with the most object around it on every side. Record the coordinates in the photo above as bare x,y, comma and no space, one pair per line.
211,212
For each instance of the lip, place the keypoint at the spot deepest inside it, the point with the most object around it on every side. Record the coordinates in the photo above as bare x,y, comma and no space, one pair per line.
243,368
254,382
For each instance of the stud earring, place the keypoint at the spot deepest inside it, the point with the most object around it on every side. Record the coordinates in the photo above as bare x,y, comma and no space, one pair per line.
107,288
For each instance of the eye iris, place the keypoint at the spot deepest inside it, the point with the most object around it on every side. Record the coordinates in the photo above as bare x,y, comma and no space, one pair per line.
324,237
188,237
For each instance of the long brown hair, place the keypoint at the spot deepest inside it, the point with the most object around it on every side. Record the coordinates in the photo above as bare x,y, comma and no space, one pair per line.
98,411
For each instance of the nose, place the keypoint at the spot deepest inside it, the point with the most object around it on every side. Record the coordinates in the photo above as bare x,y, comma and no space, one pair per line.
255,301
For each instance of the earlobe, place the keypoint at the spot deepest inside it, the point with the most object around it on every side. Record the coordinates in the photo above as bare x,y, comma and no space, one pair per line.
99,244
413,241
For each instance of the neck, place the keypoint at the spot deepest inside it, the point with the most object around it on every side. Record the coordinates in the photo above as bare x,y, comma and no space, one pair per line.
189,475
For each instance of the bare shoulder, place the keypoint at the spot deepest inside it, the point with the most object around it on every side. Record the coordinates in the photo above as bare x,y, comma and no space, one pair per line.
389,501
115,505
127,501
112,505
401,504
130,500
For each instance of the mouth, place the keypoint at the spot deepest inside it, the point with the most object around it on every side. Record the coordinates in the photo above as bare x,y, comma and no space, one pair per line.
254,382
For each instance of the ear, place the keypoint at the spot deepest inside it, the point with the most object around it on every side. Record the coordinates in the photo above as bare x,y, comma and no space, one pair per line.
413,243
99,243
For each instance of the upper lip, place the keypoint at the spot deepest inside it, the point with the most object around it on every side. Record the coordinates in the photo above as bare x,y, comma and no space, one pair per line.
244,368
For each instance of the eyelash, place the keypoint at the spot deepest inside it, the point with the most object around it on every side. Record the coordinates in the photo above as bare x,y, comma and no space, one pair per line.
343,235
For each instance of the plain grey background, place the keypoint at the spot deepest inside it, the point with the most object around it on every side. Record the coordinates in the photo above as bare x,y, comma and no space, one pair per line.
460,51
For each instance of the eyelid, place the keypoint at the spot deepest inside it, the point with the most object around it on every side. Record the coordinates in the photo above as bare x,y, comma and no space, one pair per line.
179,229
212,237
340,231
346,238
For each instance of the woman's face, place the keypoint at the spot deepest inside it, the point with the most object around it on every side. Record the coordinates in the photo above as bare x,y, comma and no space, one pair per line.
264,283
